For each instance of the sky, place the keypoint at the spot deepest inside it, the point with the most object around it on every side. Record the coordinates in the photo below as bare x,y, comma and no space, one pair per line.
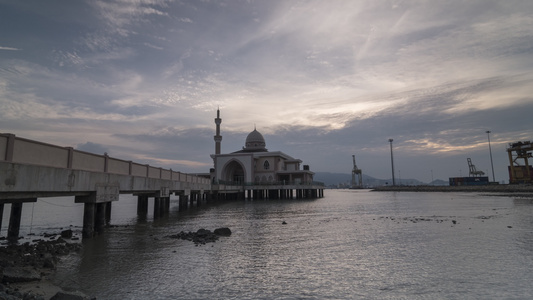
321,80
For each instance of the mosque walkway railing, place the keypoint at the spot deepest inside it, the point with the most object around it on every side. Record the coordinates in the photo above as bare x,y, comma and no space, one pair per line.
272,183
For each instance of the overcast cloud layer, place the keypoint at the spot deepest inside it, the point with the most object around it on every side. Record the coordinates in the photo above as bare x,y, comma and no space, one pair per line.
321,80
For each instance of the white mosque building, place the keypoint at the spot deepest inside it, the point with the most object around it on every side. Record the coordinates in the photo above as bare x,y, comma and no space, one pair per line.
255,168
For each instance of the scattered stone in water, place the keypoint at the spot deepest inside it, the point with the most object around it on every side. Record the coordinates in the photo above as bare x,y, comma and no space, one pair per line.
223,231
202,236
454,221
66,234
284,223
509,226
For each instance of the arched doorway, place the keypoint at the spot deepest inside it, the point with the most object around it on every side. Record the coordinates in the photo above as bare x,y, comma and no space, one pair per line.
233,173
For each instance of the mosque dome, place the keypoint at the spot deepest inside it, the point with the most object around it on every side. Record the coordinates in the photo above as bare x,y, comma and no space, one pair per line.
255,141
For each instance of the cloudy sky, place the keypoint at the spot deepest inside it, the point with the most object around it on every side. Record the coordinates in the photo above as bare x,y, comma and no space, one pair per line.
321,80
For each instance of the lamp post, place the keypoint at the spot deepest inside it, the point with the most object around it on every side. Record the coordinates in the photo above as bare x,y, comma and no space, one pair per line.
490,152
392,163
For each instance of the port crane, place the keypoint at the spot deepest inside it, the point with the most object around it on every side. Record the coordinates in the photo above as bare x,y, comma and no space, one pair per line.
472,168
520,169
359,173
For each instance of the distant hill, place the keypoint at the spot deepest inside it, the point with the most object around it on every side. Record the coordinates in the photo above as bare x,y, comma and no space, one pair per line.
344,180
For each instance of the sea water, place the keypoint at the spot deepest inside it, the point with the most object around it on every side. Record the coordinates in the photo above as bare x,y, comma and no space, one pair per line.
351,244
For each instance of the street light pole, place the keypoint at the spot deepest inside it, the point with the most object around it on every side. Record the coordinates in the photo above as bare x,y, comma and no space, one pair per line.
490,151
392,163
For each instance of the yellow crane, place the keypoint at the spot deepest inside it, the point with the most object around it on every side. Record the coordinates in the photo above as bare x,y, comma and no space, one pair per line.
520,169
359,173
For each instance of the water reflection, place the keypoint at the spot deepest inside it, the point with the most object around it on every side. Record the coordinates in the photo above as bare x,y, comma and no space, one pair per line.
350,244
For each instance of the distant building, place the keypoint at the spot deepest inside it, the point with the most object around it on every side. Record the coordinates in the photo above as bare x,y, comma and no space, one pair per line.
255,165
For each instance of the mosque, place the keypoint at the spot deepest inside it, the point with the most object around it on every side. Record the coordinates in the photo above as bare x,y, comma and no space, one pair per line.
262,173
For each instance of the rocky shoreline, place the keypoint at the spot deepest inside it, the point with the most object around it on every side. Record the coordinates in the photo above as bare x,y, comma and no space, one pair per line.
25,268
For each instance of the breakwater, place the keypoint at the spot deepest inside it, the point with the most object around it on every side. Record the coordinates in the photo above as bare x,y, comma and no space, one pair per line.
497,188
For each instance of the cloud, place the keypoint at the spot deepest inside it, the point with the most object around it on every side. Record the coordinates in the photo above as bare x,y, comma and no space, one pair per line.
9,48
122,13
321,80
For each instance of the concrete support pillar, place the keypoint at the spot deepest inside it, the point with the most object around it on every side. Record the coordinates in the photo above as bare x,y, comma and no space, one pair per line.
108,213
99,221
165,202
199,199
14,221
1,214
157,207
167,205
195,199
184,202
192,199
142,205
89,214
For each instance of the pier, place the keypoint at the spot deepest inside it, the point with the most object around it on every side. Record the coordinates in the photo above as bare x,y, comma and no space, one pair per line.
30,170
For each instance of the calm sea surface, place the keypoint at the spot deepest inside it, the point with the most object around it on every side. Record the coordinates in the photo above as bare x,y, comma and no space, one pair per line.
351,244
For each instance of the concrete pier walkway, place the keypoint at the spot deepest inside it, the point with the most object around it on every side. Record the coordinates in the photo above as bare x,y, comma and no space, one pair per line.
30,170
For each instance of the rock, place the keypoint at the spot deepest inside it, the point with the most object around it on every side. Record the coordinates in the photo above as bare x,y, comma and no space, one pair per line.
49,263
202,236
223,231
32,296
20,274
6,296
69,296
203,232
284,223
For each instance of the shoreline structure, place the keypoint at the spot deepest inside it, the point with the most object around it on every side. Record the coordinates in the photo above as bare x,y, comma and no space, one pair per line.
512,189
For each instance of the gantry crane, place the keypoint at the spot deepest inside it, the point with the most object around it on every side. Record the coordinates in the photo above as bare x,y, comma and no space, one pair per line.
520,171
359,173
472,168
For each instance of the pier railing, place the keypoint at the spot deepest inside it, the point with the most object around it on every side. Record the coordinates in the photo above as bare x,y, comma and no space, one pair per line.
24,151
271,183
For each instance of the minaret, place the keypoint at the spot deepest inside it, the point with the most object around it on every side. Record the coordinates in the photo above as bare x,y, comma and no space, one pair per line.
218,137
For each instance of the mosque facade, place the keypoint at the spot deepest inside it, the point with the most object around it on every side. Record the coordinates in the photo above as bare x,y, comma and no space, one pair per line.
254,165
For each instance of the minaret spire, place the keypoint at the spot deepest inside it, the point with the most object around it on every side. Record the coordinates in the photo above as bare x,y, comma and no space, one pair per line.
218,137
